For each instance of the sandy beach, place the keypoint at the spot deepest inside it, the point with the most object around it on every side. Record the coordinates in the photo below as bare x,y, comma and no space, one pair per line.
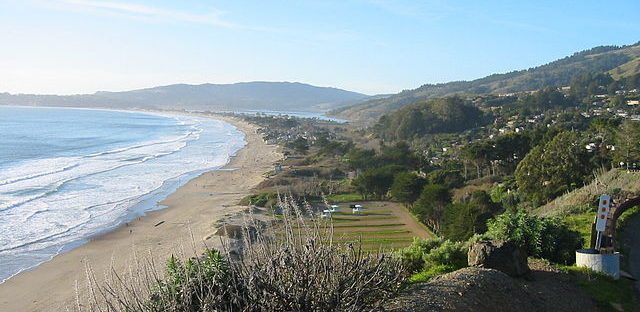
186,224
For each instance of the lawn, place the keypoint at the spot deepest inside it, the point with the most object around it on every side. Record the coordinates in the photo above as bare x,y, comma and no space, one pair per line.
380,225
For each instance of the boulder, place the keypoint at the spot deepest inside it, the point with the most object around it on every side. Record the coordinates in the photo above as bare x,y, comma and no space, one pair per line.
501,255
236,231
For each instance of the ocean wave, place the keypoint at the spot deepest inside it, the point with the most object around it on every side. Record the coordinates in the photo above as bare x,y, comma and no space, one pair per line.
71,199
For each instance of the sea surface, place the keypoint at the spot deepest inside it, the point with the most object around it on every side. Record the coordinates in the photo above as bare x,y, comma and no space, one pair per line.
67,175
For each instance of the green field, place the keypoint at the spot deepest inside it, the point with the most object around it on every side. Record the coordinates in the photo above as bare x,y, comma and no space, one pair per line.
380,225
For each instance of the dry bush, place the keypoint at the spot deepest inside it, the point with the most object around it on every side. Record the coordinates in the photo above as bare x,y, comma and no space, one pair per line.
294,265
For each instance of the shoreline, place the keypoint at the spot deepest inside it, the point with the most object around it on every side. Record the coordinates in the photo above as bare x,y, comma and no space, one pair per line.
184,228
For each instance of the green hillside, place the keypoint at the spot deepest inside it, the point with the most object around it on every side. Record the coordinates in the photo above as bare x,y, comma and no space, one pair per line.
443,115
616,182
619,61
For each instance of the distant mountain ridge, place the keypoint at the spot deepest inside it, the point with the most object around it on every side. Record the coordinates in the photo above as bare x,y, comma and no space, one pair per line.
619,61
259,95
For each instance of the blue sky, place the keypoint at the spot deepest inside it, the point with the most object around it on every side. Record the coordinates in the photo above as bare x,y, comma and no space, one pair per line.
369,46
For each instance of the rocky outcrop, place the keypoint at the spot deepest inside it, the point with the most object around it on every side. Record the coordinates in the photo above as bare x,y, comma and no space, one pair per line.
503,256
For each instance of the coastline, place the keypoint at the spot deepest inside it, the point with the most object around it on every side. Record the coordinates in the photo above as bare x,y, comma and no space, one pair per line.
184,227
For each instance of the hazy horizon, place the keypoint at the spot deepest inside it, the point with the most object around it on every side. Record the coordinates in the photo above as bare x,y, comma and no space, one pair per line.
367,46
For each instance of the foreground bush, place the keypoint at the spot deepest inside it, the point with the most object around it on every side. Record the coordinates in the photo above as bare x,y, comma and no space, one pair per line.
302,270
426,258
546,238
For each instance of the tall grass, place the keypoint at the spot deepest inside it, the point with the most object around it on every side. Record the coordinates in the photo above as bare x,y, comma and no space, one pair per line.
302,270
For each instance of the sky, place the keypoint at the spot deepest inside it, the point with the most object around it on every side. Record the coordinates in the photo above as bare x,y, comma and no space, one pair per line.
367,46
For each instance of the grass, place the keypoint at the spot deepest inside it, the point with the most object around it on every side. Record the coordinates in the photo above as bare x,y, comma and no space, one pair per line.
389,232
348,197
377,226
357,234
611,182
606,292
363,217
627,215
378,240
368,225
581,223
425,275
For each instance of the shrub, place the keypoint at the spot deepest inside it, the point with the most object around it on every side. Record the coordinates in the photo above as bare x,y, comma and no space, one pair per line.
426,258
452,254
547,238
412,256
198,282
268,199
301,269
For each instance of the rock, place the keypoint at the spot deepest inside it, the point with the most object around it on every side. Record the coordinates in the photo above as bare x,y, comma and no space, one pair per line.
503,256
231,231
234,231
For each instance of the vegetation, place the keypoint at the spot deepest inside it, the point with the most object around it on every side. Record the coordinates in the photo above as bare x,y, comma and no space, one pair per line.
546,238
554,74
406,187
490,166
609,294
267,199
426,258
444,115
375,183
303,270
550,170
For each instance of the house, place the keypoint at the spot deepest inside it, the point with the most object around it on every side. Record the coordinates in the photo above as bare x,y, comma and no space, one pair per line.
633,102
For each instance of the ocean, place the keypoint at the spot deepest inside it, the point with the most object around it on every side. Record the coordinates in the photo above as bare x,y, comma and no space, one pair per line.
67,175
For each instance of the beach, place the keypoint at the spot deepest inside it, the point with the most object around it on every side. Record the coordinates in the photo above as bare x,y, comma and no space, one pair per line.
184,228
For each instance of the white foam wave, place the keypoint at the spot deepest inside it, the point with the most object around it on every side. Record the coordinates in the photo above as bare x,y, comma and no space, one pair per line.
51,203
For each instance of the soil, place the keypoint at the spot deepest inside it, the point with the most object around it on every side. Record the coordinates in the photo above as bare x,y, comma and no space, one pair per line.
476,289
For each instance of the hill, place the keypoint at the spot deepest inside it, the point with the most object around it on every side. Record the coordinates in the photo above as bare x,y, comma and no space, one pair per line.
443,115
276,96
616,182
619,61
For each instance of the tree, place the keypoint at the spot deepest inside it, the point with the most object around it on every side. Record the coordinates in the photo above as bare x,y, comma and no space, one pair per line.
398,154
628,144
479,154
431,204
300,145
406,187
460,221
550,170
442,115
360,159
448,178
511,149
376,182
